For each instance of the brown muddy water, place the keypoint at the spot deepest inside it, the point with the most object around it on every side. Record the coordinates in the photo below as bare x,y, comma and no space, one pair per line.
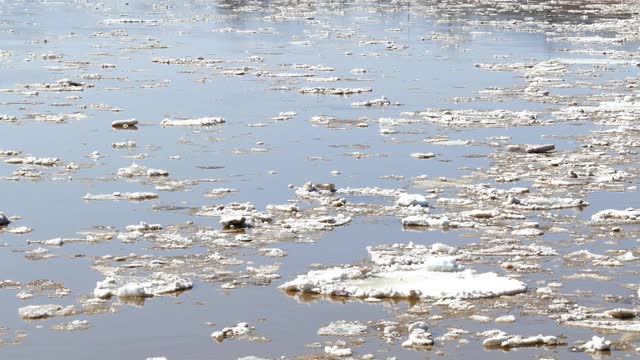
310,179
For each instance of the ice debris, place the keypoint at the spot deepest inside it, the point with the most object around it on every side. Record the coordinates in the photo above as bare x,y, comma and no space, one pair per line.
595,344
34,312
343,328
240,329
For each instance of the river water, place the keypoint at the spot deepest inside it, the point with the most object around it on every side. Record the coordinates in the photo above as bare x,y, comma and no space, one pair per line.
246,61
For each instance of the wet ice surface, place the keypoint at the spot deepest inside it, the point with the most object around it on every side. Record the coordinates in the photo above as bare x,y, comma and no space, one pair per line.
461,179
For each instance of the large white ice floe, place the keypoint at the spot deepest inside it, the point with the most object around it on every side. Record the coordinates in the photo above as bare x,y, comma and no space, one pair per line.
158,284
419,283
511,341
422,277
31,160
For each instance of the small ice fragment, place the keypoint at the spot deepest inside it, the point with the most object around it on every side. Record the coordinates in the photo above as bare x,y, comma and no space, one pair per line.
506,319
343,328
124,123
337,351
539,149
423,155
596,344
132,290
412,200
54,242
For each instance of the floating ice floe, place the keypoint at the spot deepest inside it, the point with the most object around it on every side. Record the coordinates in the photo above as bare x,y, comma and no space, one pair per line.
220,192
383,101
595,344
127,123
34,161
532,149
418,335
440,221
334,91
19,230
506,319
34,312
611,216
204,121
418,338
410,254
430,277
543,203
272,252
423,155
475,118
127,21
158,284
527,232
336,351
129,144
343,328
512,341
53,242
233,221
405,200
621,313
240,329
8,118
315,223
58,86
131,196
136,170
72,326
290,208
